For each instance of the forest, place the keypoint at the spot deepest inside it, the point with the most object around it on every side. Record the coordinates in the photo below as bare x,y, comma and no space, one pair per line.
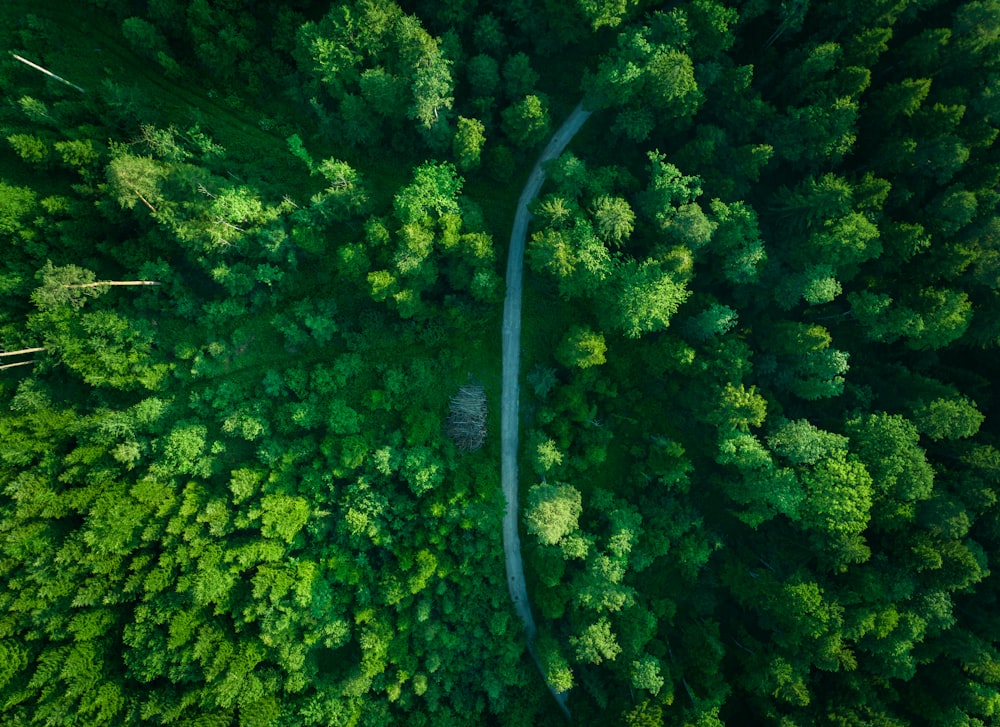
252,280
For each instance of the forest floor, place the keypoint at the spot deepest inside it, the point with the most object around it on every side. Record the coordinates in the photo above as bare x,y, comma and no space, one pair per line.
510,383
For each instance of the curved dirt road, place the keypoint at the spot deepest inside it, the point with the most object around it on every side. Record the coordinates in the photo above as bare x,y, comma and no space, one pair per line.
511,391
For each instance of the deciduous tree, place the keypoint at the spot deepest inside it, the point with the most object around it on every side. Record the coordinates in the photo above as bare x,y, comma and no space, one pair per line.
553,512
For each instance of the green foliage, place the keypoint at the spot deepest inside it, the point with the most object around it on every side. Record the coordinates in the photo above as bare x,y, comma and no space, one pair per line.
737,240
901,475
668,188
435,188
81,156
802,443
143,36
30,148
432,88
645,714
135,178
955,418
36,110
483,73
839,497
553,512
282,516
373,59
519,77
670,80
596,643
648,69
928,319
526,122
648,296
347,194
739,408
614,219
713,321
646,675
15,204
298,150
230,497
547,456
556,668
582,347
468,143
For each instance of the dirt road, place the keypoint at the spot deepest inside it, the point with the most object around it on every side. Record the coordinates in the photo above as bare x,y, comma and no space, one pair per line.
511,370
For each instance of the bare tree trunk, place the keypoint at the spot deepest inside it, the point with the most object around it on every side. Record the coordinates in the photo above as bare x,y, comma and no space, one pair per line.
19,363
112,282
23,350
144,200
46,72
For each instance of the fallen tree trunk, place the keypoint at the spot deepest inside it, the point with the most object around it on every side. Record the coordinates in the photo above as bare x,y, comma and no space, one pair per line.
19,363
23,350
99,283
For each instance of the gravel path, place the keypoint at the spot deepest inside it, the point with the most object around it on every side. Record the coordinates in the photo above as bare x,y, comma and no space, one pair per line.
510,393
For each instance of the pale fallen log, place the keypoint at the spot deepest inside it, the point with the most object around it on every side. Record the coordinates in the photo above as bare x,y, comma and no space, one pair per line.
47,72
111,282
23,350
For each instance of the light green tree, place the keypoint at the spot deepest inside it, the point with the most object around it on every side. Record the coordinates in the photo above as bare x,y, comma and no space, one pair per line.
949,418
283,516
646,675
553,512
648,295
555,666
581,347
737,408
614,219
596,643
135,178
468,143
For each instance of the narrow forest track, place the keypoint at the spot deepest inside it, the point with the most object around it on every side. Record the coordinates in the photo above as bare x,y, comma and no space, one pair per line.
511,386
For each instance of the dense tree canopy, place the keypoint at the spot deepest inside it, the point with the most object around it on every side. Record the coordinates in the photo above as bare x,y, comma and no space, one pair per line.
246,271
